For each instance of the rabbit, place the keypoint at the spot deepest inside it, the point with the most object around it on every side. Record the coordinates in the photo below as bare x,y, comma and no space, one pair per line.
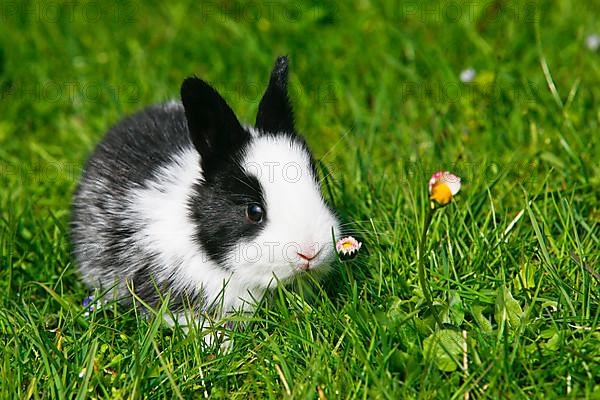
181,199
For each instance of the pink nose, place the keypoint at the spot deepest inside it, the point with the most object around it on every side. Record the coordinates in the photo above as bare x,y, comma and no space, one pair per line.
307,257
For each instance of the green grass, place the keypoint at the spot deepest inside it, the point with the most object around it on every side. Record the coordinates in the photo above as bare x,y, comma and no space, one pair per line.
377,93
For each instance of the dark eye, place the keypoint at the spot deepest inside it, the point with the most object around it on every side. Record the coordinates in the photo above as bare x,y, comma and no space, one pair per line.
254,213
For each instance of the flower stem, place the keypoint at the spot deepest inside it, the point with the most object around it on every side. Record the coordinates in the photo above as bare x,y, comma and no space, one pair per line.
421,262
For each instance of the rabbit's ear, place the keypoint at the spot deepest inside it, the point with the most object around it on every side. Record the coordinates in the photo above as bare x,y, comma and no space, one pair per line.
214,129
275,112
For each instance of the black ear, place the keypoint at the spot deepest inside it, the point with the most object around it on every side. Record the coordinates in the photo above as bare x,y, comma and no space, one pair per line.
214,128
275,112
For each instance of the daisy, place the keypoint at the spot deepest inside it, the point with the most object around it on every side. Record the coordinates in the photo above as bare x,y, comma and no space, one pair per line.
443,186
467,75
347,248
592,42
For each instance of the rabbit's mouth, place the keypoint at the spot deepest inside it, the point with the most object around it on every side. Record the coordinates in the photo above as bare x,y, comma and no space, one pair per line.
309,262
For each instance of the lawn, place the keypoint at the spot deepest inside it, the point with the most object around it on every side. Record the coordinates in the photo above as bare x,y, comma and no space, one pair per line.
504,94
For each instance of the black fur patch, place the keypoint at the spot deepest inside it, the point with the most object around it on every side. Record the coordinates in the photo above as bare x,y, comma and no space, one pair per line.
213,127
275,113
218,208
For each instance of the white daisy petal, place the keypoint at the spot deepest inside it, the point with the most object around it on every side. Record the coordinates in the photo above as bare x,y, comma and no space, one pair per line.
467,75
592,41
452,181
443,186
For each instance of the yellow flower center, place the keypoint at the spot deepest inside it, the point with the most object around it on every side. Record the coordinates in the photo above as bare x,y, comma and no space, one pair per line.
441,194
347,246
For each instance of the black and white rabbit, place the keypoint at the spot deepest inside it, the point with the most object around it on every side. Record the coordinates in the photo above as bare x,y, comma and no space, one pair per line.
181,198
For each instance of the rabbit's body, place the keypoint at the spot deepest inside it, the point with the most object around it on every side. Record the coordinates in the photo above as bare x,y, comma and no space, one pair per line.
181,199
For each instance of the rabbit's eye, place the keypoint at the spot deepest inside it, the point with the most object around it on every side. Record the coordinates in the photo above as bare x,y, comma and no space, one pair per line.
254,213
